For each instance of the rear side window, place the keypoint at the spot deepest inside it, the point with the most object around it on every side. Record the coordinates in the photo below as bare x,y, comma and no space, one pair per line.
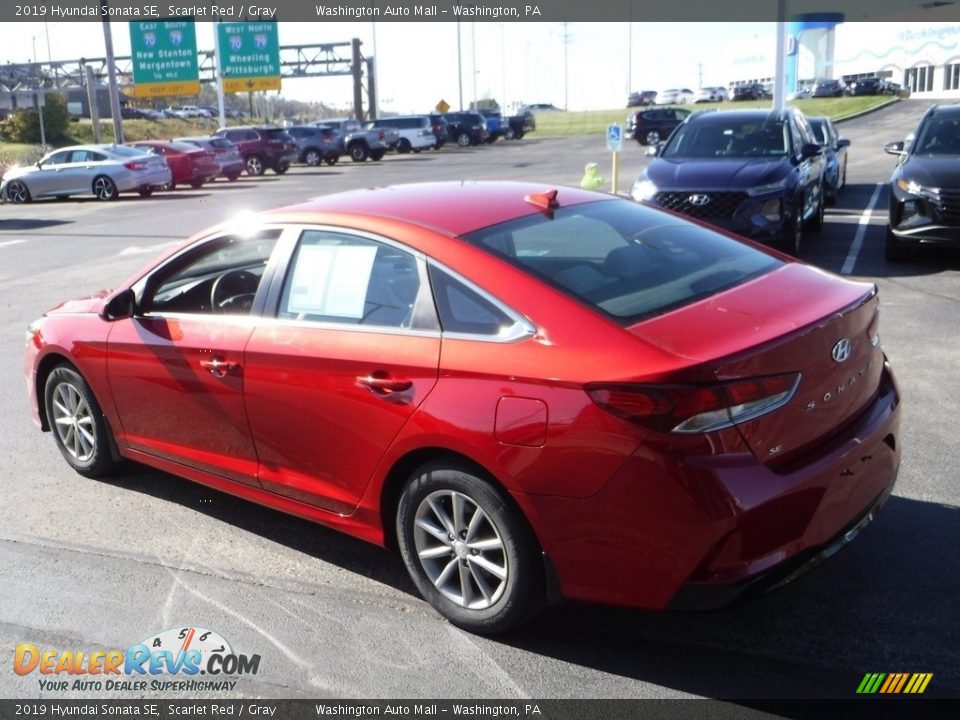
462,310
627,261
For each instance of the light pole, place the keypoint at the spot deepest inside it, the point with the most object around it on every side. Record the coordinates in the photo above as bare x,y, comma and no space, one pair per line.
459,66
503,65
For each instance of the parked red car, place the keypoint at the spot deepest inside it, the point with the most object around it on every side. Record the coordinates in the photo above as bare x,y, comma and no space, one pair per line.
531,394
189,164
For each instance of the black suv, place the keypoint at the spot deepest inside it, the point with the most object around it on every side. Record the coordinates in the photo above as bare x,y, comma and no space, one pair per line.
758,173
648,127
466,128
925,186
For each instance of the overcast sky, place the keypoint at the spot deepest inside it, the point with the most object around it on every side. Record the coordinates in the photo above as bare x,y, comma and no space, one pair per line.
523,62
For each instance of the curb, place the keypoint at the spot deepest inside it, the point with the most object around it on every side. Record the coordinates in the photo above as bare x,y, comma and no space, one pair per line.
868,111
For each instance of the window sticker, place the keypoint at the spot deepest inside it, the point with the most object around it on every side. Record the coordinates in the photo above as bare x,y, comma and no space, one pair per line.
331,280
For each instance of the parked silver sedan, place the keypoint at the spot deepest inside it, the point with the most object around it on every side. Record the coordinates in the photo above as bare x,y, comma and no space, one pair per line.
103,170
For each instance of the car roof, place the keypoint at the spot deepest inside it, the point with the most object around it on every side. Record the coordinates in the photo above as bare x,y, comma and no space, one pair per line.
945,110
722,116
452,208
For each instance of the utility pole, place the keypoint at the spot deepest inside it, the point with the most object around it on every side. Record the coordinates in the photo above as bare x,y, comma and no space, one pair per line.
111,74
700,75
566,72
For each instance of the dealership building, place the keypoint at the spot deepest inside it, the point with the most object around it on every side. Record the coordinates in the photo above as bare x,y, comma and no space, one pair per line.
923,57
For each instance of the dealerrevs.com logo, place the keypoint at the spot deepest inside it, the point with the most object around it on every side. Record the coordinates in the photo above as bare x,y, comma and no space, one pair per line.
188,659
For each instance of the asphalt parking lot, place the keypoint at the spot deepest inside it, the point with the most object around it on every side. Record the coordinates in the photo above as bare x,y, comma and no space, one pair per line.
104,564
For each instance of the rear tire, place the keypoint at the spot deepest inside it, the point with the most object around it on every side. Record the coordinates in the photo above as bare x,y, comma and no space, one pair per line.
469,550
331,161
404,146
377,154
145,191
281,168
463,140
359,152
197,184
79,427
651,138
254,165
312,157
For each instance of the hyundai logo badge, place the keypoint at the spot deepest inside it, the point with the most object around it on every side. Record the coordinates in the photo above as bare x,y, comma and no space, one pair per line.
841,351
698,200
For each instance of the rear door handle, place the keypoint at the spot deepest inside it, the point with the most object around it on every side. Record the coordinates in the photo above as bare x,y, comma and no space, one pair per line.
384,385
219,368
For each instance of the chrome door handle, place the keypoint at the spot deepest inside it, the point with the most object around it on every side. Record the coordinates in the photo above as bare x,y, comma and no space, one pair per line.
384,385
219,368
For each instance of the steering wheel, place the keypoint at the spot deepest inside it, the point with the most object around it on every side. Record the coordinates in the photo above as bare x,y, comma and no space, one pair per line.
233,300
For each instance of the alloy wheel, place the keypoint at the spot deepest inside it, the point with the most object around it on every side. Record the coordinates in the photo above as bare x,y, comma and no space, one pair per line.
74,422
460,549
17,192
104,188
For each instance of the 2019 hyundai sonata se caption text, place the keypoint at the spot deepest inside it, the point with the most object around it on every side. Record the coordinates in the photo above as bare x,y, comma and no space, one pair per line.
531,394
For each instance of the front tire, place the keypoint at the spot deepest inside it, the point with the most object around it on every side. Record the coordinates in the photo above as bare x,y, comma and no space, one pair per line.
463,140
197,184
816,222
79,427
377,155
281,168
18,192
104,188
469,550
145,191
404,146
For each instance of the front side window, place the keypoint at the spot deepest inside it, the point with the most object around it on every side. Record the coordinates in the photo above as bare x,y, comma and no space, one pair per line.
220,277
340,278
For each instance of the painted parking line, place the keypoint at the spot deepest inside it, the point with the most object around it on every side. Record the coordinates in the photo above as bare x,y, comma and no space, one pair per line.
11,242
861,232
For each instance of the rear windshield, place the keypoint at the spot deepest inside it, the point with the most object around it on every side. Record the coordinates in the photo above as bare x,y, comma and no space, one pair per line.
126,151
628,261
277,134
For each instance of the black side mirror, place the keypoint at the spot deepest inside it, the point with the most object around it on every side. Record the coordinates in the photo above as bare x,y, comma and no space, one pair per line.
120,306
809,150
842,143
894,148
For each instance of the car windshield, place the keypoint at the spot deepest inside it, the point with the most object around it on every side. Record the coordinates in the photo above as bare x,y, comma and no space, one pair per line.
717,137
938,136
628,261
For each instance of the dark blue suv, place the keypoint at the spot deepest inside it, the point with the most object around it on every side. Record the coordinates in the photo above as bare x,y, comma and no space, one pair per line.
758,173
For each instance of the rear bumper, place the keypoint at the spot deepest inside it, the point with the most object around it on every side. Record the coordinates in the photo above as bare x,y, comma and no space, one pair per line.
669,530
706,596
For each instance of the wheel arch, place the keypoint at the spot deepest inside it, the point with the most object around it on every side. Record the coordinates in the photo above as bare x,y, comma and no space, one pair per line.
401,470
46,366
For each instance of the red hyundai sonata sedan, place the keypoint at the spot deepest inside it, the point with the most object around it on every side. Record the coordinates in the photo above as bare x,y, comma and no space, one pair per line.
531,394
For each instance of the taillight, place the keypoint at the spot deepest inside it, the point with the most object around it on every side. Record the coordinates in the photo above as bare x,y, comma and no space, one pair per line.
136,165
688,409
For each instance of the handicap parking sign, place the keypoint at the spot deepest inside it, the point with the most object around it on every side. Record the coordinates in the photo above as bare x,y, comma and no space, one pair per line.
614,138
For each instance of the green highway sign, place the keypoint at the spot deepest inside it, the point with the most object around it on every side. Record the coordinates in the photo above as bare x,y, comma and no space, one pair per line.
249,56
164,56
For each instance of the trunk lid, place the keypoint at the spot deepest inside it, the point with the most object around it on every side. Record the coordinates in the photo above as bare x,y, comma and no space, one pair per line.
796,319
